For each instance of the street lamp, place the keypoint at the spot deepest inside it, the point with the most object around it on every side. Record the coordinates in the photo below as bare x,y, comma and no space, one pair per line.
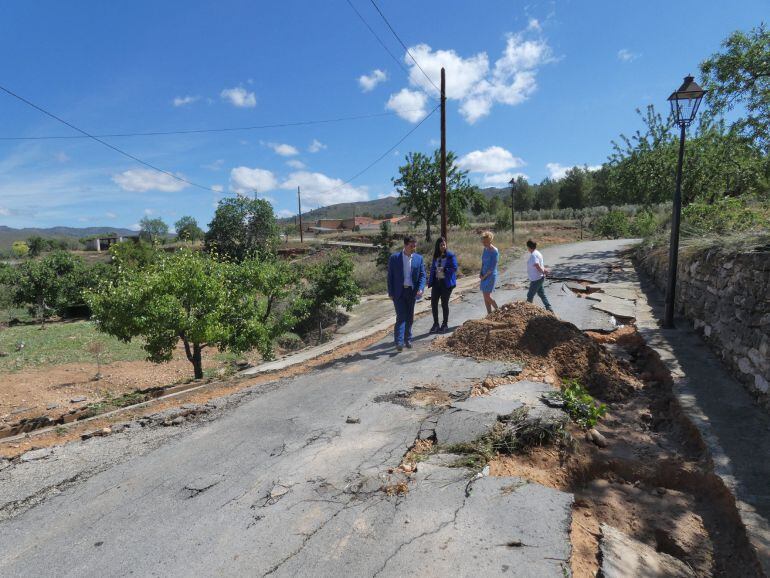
684,106
512,182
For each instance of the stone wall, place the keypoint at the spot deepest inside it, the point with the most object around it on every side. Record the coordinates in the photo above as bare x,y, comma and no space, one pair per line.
726,295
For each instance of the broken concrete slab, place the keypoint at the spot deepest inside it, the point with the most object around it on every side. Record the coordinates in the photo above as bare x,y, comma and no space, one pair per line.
462,426
489,404
616,290
613,305
622,556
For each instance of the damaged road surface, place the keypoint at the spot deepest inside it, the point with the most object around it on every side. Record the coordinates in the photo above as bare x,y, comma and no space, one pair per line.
298,478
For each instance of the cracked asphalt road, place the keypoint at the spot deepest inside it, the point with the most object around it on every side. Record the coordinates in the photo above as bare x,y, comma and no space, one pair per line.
276,482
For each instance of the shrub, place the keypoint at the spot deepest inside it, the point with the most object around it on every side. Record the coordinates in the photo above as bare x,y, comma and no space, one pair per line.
579,404
613,225
644,224
726,215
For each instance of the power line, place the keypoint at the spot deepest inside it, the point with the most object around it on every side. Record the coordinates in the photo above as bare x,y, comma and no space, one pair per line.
383,155
393,56
108,145
206,130
405,47
181,179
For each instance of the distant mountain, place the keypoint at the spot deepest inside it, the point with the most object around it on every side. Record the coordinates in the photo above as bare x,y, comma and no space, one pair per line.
8,234
375,208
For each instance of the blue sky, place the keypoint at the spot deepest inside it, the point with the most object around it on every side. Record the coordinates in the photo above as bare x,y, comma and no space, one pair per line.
534,88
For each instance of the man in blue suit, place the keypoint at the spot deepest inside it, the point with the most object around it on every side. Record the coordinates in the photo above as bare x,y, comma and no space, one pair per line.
406,282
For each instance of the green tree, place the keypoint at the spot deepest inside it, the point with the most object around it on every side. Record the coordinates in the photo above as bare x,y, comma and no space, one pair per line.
740,75
419,190
330,285
523,195
575,189
242,228
547,196
20,249
187,229
613,225
133,254
36,245
202,302
153,230
51,284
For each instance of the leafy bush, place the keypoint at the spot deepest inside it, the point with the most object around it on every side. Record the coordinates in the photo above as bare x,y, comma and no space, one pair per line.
644,224
614,225
290,341
726,215
384,242
580,405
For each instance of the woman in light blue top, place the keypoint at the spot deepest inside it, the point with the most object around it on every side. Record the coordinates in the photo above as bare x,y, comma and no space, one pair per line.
488,275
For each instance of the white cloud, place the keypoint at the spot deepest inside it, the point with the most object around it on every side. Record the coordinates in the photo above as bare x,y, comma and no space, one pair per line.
387,195
316,146
110,215
239,96
285,150
472,82
408,104
148,212
626,55
245,181
534,24
320,190
557,171
217,188
285,213
141,180
61,157
296,164
214,166
135,227
493,159
5,212
185,100
368,82
500,179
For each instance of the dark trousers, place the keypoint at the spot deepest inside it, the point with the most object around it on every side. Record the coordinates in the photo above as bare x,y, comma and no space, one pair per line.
404,316
536,287
440,292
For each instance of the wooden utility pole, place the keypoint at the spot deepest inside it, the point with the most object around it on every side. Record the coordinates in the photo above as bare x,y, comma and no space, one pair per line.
513,216
443,156
299,212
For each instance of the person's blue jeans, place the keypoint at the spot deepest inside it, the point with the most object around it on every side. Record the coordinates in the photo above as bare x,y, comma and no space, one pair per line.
404,316
536,287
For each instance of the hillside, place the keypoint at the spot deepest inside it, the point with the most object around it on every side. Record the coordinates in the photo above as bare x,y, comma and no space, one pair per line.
8,234
375,207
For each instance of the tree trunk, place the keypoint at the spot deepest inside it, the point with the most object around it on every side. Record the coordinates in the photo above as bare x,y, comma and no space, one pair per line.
41,311
427,230
197,361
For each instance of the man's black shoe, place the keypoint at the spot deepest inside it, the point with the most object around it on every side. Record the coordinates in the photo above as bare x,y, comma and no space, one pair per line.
444,328
399,347
435,328
408,344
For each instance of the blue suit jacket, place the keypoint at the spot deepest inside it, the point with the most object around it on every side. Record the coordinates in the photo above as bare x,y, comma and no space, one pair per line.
450,271
396,274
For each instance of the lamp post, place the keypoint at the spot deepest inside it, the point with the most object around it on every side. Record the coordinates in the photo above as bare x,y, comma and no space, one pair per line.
512,182
684,106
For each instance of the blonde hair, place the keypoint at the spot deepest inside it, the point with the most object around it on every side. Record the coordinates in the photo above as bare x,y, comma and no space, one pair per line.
488,235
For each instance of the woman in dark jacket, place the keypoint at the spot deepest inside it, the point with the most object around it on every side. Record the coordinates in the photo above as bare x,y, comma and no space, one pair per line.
442,280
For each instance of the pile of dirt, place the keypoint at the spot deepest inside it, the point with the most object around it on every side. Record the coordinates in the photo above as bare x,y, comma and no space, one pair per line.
524,332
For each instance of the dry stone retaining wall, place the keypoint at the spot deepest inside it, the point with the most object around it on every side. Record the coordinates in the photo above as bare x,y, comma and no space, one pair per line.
727,297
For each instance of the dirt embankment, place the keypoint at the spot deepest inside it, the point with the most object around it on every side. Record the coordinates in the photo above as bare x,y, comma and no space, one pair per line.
653,481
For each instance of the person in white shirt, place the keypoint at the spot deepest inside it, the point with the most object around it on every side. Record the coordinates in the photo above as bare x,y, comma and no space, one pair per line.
536,271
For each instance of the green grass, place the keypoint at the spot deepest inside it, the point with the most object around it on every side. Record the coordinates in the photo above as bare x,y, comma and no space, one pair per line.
61,343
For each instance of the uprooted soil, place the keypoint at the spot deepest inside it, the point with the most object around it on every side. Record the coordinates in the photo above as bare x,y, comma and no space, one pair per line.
653,481
524,332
